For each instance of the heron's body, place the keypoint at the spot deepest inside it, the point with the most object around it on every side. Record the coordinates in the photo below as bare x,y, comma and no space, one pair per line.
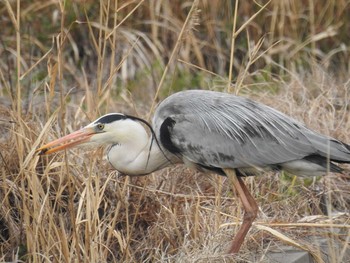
216,132
220,131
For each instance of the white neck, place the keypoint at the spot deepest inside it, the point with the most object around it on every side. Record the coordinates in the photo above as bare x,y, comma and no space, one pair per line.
138,155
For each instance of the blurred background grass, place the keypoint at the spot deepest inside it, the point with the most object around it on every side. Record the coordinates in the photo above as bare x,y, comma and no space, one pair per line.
63,63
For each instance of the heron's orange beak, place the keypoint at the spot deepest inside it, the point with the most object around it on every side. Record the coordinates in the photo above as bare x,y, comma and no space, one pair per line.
67,141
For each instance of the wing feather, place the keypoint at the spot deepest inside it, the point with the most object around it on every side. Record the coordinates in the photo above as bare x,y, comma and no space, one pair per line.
222,130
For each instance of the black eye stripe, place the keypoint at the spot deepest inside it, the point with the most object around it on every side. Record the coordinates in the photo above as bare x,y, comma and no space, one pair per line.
111,118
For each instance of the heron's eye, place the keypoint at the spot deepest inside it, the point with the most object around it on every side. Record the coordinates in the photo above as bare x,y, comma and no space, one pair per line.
100,126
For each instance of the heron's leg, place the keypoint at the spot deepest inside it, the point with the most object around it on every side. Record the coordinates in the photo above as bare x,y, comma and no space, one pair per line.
250,198
250,207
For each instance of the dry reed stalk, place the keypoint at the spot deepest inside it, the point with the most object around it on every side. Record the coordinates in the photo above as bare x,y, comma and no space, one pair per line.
184,28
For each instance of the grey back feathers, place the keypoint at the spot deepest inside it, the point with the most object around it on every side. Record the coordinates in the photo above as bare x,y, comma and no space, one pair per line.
217,130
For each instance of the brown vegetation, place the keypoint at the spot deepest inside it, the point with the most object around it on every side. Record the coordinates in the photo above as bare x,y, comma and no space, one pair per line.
63,63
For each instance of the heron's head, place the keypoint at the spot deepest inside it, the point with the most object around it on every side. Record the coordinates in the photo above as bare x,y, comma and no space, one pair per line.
114,128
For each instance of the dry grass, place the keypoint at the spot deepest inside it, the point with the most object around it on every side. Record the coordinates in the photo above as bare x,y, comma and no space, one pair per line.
63,63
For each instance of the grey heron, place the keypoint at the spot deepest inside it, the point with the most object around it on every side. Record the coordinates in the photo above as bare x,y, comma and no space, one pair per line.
216,132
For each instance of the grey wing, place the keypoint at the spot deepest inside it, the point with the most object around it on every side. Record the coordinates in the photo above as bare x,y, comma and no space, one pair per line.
235,133
218,144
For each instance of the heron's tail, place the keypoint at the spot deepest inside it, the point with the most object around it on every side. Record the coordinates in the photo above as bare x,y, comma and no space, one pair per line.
330,148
